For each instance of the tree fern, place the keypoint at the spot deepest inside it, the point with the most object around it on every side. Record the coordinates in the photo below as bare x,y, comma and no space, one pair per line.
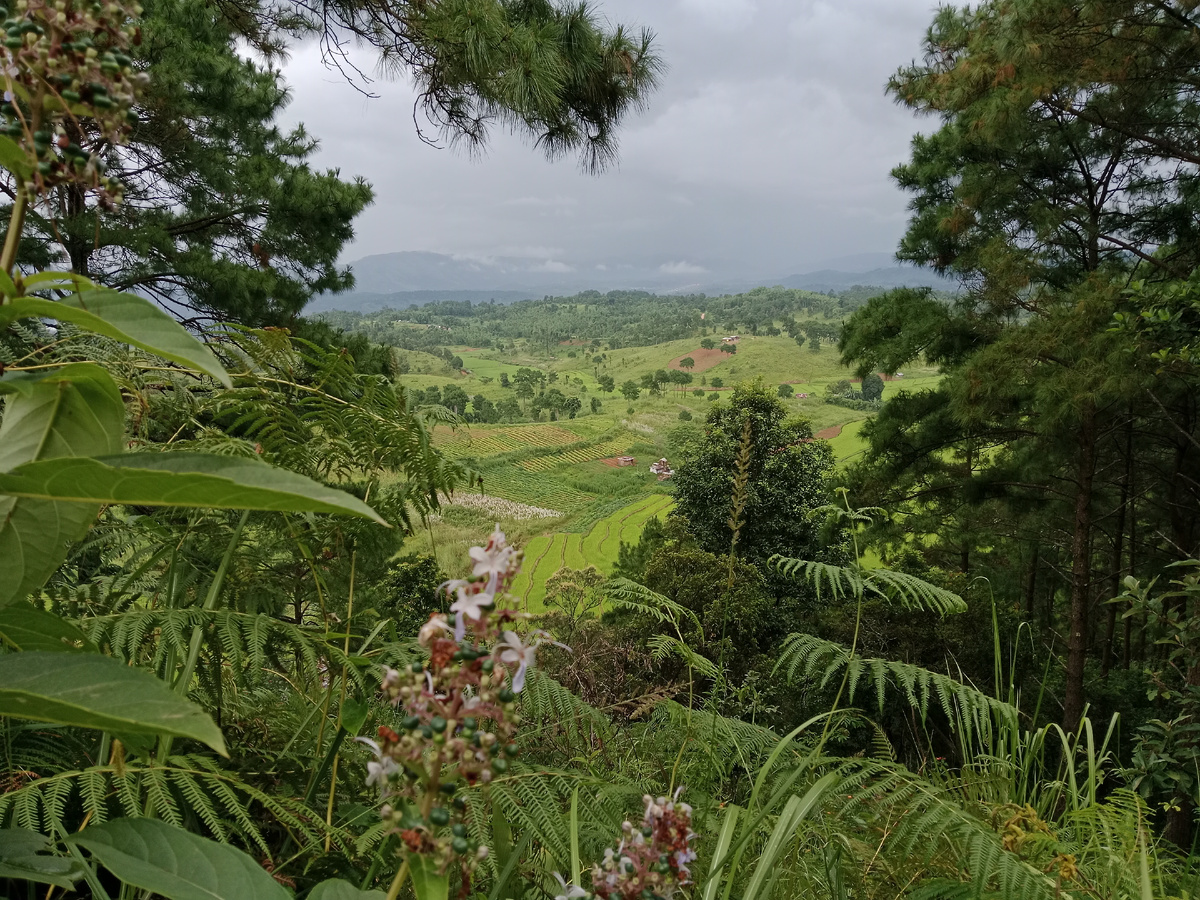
623,593
922,820
249,642
804,655
191,790
856,582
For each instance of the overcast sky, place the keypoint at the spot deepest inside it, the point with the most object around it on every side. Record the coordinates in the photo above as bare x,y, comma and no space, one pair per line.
766,149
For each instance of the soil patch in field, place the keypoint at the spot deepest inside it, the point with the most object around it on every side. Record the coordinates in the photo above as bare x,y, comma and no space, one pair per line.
828,434
705,360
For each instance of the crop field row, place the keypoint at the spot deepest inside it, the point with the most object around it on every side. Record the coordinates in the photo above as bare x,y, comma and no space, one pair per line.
546,554
578,455
494,441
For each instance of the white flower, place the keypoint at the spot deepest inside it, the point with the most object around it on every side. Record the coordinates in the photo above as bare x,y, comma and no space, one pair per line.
471,606
436,623
494,560
569,891
382,768
514,652
379,772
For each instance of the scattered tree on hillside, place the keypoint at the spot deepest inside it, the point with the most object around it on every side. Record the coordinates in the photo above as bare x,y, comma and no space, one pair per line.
785,471
630,391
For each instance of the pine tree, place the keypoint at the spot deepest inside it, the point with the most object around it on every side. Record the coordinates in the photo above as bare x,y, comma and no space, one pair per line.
223,217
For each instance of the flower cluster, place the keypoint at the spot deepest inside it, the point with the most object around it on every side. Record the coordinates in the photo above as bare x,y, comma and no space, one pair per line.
65,61
460,719
651,862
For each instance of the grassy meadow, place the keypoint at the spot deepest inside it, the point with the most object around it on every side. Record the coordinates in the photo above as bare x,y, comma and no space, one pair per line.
554,486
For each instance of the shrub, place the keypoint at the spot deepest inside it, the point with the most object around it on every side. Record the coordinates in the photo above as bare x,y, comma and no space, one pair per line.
786,391
685,416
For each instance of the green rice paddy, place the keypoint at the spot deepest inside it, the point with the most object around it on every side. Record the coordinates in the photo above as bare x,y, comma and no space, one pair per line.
547,554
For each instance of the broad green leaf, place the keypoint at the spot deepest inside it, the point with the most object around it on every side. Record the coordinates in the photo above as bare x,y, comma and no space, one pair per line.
22,855
92,691
69,412
354,714
13,158
22,627
336,889
179,479
427,882
72,411
126,318
176,864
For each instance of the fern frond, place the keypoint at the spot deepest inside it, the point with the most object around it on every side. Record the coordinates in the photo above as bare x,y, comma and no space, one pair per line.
187,788
665,646
627,594
856,582
804,655
923,821
842,582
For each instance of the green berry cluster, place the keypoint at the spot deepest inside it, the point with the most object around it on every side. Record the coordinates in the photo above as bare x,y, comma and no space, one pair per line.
69,82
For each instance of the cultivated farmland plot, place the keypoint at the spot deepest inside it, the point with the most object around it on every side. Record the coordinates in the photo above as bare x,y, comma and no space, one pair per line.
483,442
578,455
547,554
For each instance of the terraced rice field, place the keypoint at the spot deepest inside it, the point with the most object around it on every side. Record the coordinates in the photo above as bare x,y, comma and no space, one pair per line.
579,455
482,442
547,554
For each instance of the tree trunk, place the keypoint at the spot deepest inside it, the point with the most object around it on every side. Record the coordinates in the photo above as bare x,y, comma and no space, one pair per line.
1118,548
1081,565
1031,583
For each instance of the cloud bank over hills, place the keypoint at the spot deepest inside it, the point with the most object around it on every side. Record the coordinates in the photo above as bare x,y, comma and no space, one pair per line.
409,278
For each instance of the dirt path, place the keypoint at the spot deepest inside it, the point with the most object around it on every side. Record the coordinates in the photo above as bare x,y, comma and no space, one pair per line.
828,434
705,360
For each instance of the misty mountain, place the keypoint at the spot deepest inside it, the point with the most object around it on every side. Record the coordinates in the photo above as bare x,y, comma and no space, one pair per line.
410,278
890,277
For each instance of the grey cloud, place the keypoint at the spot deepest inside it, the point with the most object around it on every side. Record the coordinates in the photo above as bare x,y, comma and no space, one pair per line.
767,150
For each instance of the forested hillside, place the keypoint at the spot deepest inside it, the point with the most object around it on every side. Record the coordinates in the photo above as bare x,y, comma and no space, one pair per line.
617,318
870,594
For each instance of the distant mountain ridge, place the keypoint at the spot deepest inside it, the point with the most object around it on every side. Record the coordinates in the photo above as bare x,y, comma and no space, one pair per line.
410,278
